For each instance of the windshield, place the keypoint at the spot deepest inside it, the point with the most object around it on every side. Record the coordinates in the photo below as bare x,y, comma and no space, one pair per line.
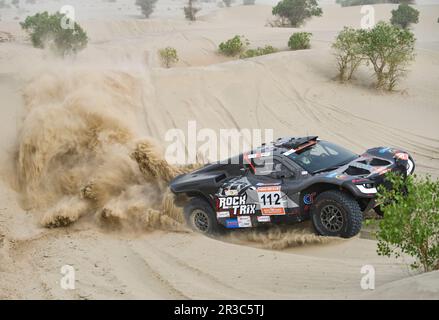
321,156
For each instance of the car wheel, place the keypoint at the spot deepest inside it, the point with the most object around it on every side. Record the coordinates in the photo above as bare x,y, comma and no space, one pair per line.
336,214
200,216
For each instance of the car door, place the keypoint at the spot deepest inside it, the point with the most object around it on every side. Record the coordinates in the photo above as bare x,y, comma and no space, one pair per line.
294,188
290,184
271,183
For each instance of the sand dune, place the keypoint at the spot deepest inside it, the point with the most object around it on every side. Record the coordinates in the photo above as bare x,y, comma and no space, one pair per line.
68,123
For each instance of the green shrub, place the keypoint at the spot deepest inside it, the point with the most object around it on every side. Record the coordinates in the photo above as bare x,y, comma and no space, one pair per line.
404,16
146,6
296,11
248,2
168,56
190,12
47,31
389,50
348,52
411,220
258,52
234,46
300,40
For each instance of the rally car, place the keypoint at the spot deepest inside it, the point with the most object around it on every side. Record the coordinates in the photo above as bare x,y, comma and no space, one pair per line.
290,180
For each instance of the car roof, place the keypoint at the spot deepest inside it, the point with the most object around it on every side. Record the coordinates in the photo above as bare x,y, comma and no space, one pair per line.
283,145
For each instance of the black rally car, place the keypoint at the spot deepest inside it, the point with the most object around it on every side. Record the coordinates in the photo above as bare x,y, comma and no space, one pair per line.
290,180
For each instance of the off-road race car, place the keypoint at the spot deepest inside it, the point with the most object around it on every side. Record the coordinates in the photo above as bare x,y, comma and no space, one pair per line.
290,180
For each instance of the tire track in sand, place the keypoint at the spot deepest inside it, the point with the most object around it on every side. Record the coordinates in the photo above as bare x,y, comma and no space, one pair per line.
185,277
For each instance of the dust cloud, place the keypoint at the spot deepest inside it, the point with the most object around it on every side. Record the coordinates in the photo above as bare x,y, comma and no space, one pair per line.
280,237
82,151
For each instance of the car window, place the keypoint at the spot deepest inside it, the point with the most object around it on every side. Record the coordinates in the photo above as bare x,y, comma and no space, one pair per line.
322,155
270,167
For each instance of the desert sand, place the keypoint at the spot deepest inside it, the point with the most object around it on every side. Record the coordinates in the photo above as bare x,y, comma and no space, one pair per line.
69,127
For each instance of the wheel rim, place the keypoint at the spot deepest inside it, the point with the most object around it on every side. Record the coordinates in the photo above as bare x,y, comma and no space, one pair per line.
200,220
332,218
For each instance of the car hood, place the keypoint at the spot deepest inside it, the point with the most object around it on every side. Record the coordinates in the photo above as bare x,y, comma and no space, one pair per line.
374,163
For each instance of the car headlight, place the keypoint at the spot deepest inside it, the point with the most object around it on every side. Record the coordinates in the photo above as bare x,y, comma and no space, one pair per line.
410,167
367,188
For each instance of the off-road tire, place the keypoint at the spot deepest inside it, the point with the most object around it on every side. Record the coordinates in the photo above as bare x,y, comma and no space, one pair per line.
345,211
198,210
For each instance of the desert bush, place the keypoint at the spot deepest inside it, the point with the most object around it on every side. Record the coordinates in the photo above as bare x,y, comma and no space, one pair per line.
248,2
411,220
404,16
300,40
389,50
146,6
348,52
258,52
190,12
233,46
168,56
347,3
227,3
295,12
46,31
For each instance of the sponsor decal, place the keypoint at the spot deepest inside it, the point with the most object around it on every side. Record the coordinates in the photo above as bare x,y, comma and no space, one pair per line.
244,222
342,177
384,150
231,192
308,199
332,175
382,170
258,155
359,180
287,153
304,173
232,223
223,214
270,200
267,184
263,218
402,156
237,204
